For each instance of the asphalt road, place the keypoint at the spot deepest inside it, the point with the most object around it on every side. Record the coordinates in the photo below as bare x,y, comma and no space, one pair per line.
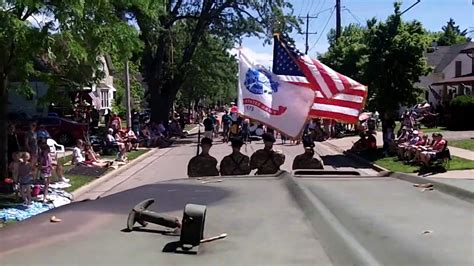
396,223
171,163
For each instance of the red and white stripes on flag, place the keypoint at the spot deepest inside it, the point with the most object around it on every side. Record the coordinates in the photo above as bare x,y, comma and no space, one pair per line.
336,96
343,106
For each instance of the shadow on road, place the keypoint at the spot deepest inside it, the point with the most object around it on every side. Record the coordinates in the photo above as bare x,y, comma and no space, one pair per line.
87,215
340,160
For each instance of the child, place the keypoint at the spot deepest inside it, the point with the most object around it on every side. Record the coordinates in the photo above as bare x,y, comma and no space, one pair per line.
25,177
46,167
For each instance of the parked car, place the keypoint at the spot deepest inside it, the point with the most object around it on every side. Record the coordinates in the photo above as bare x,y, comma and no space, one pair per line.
63,130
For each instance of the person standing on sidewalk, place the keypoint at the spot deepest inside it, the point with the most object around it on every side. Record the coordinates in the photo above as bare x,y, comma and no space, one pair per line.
46,169
388,128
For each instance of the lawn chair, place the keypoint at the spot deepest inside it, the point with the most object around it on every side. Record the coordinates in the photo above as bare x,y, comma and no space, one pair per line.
442,158
55,148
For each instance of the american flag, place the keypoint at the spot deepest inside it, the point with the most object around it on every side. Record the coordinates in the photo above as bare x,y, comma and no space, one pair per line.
336,96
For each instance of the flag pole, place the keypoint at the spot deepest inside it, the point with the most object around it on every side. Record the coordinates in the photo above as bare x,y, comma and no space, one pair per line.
199,139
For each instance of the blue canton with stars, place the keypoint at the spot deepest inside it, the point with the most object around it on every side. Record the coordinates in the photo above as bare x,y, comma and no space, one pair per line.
283,64
258,81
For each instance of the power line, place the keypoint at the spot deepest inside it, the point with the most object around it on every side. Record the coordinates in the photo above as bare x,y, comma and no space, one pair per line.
301,8
310,9
352,14
324,28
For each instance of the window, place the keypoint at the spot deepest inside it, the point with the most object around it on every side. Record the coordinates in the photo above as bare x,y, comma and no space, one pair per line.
104,98
458,69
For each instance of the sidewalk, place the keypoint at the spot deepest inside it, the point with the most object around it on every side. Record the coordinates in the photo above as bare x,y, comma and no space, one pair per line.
346,143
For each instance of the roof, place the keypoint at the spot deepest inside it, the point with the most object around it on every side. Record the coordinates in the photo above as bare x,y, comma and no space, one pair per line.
468,49
444,55
457,80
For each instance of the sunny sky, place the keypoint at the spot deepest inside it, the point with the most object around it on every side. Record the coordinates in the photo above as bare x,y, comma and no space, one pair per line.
432,13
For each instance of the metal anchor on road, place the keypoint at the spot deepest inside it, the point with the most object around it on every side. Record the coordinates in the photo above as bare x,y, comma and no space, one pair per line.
192,224
141,215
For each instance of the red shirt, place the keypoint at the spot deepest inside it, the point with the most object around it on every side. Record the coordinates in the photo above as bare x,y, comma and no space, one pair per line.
439,145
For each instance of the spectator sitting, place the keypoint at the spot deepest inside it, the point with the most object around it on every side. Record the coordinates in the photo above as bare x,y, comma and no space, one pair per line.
77,157
132,139
147,138
175,129
431,153
411,150
409,140
92,158
121,137
161,129
367,141
111,142
419,149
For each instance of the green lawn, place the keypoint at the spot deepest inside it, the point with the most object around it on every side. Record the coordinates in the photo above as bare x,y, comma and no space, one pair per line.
78,181
130,155
467,144
393,164
135,154
424,129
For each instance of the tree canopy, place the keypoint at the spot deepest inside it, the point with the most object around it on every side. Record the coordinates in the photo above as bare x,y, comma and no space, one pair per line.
387,56
451,34
165,68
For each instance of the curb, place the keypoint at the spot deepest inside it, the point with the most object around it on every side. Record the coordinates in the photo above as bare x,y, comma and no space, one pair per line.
100,180
454,191
338,242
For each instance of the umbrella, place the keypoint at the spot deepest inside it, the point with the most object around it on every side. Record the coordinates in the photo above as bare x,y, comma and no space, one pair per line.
364,116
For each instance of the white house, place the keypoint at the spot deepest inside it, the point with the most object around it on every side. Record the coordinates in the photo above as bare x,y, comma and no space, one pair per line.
448,63
101,94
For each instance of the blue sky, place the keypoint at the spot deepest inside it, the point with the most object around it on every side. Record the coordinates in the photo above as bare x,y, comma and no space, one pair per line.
432,13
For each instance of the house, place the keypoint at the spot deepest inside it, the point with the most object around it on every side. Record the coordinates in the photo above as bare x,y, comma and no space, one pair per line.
100,95
453,68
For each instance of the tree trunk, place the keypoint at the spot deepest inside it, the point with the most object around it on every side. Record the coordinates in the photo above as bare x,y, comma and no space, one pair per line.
3,127
162,103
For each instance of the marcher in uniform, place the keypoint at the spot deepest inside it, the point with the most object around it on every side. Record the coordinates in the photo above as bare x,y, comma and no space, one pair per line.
308,159
203,164
235,163
267,161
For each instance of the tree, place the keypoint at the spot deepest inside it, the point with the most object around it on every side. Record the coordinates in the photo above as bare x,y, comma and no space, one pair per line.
395,62
69,44
229,20
451,34
212,74
137,90
349,54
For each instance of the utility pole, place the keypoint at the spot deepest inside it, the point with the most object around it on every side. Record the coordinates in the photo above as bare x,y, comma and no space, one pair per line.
307,31
338,19
127,95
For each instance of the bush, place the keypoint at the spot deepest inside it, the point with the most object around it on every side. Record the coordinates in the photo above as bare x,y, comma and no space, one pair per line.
460,112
